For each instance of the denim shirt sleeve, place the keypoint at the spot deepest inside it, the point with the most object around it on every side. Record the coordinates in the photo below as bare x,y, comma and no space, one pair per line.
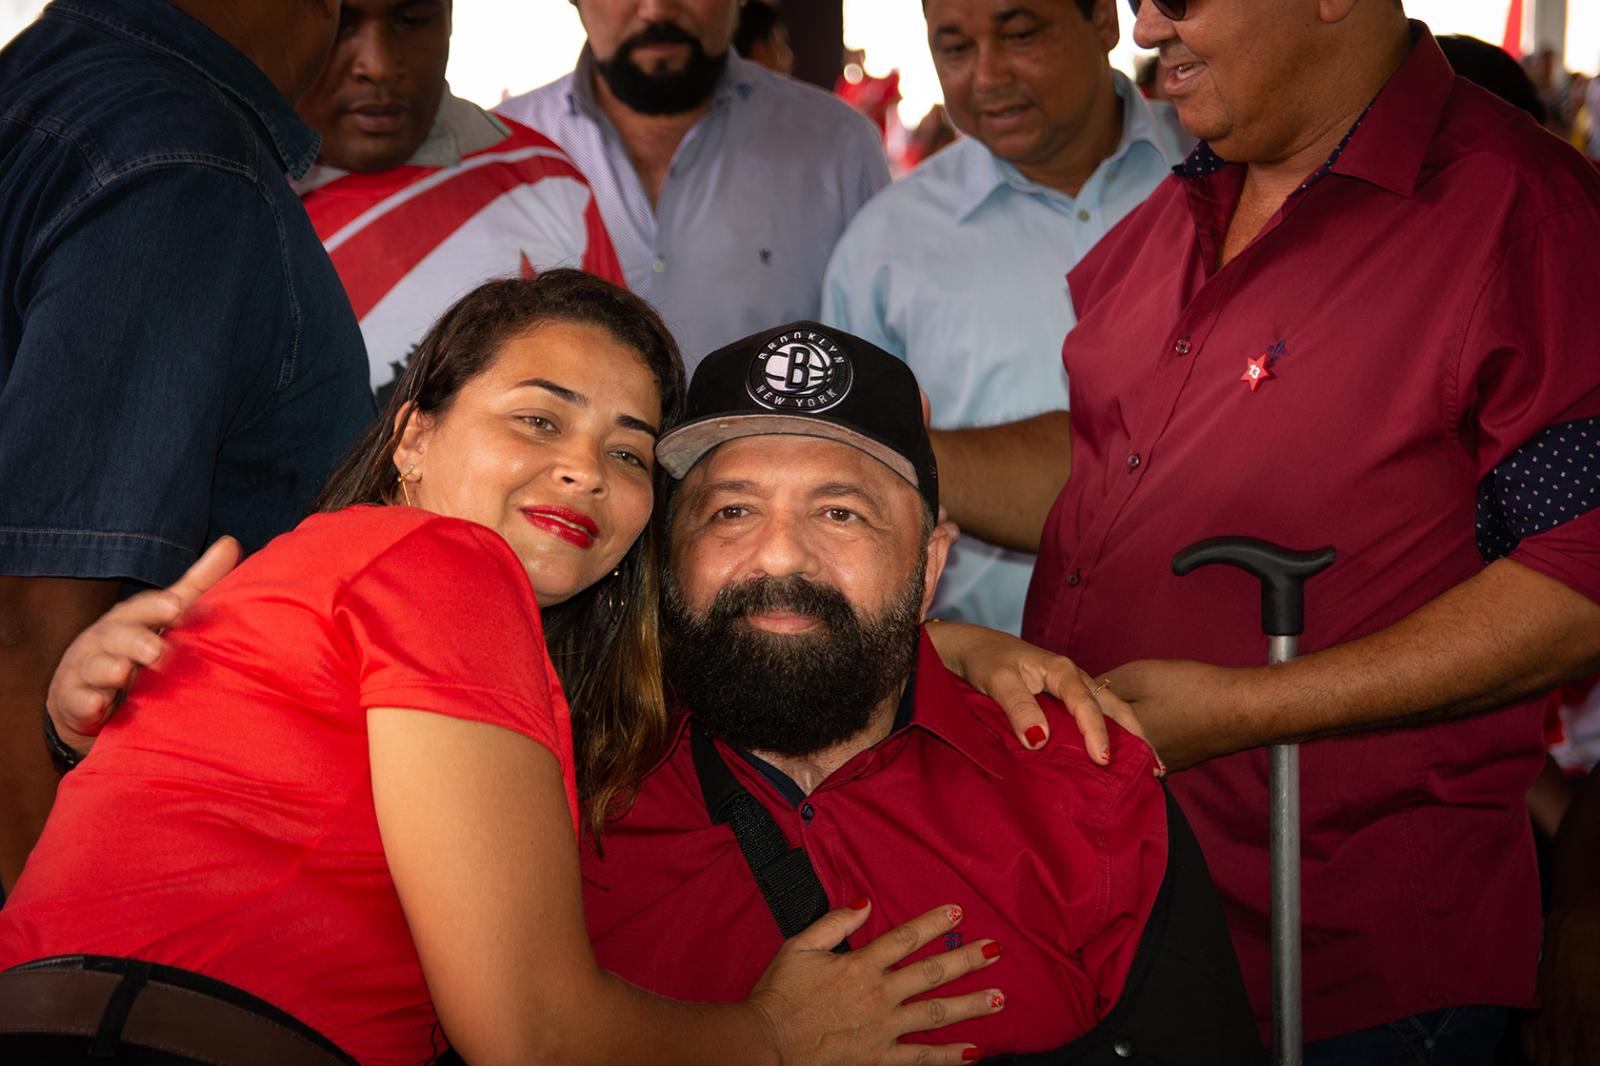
154,318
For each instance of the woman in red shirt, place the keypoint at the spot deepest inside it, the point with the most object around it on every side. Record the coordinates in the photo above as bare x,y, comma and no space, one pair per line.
348,787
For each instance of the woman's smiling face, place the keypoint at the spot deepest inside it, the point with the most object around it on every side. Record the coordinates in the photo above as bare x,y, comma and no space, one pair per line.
552,447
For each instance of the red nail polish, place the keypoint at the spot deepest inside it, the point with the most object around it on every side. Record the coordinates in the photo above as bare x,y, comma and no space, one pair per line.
1105,753
954,914
997,1001
1034,735
859,903
970,1054
991,950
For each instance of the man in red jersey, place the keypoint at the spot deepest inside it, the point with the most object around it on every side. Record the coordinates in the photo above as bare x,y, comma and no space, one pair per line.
1354,316
419,195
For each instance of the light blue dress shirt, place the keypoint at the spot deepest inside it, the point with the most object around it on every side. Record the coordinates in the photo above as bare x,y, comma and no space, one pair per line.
960,269
755,198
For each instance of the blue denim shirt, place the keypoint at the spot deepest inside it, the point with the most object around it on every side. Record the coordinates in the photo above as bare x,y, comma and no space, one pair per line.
177,357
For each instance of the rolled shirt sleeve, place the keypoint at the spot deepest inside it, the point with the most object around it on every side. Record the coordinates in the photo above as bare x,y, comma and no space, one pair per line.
1528,401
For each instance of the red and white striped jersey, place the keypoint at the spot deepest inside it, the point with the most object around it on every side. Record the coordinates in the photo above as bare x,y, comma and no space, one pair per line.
410,241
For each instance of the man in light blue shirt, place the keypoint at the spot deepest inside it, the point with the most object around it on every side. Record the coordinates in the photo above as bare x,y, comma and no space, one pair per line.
724,186
960,267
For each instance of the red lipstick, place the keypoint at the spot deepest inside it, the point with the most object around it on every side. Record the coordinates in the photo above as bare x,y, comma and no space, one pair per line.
574,527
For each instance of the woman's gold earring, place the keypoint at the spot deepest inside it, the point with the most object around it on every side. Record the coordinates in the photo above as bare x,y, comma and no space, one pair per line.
405,476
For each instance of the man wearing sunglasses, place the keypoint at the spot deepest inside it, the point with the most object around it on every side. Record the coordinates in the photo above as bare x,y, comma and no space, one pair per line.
1353,316
1059,148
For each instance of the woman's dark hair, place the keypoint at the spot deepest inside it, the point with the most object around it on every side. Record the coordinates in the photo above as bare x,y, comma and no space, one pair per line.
604,641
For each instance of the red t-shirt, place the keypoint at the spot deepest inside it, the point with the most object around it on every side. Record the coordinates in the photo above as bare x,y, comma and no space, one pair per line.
1421,314
224,821
1056,858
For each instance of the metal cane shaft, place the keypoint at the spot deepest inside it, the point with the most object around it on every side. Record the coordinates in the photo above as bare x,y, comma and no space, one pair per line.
1282,574
1284,833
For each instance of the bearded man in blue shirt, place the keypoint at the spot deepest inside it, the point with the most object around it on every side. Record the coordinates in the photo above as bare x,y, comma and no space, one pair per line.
723,186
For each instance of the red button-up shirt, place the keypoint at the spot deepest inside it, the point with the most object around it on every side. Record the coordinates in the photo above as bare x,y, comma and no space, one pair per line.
1057,859
1423,316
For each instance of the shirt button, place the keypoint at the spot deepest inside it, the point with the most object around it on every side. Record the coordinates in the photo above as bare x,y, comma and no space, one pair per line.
1182,347
1083,216
807,812
1134,461
1074,579
659,266
1123,1047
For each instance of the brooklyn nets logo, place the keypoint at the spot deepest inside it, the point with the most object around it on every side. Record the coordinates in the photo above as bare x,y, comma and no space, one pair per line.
800,371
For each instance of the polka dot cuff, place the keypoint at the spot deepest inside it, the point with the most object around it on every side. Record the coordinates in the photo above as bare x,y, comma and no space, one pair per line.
1553,478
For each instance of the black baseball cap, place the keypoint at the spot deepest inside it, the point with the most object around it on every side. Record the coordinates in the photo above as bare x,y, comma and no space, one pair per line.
808,380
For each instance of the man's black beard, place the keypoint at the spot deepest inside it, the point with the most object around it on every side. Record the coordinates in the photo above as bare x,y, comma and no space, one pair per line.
788,694
662,92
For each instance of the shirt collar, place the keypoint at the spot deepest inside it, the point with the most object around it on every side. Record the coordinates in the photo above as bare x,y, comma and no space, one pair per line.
904,714
734,84
1399,127
985,172
959,715
460,129
935,702
1395,130
163,28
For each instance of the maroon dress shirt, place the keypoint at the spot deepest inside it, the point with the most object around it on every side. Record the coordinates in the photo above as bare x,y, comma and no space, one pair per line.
1057,859
1404,364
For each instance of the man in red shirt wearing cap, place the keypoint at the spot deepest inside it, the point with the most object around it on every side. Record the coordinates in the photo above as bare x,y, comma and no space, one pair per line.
1356,315
802,557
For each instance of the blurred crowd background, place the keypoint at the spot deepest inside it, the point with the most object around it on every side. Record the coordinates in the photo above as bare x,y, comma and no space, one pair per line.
503,48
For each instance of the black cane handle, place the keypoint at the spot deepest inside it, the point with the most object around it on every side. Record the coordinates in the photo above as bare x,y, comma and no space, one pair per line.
1282,574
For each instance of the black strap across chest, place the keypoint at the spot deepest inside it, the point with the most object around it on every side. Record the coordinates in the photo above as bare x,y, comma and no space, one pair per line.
784,875
1184,999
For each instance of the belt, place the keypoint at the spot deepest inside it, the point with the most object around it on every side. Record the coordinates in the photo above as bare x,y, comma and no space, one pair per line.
135,1008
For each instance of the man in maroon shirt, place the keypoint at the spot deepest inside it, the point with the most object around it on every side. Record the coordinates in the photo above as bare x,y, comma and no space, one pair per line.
1357,315
803,555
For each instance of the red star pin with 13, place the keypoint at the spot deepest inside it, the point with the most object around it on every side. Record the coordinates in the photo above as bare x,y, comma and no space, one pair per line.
1255,371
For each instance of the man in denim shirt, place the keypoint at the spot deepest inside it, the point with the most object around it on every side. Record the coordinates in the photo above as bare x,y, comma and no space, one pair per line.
177,357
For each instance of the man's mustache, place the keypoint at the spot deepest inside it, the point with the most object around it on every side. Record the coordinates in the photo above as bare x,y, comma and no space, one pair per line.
795,595
657,33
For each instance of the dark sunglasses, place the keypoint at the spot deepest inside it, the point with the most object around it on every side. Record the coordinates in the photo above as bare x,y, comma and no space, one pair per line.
1173,9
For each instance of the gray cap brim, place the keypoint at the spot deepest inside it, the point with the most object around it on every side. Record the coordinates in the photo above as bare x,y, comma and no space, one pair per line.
684,446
